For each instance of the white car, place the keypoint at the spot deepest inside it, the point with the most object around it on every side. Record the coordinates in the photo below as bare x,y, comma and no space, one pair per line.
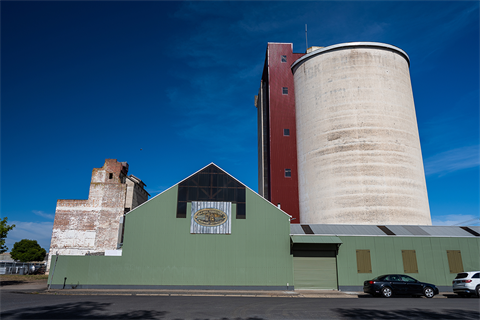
467,283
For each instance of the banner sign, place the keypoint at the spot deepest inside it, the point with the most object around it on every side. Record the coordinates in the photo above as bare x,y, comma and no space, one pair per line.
211,217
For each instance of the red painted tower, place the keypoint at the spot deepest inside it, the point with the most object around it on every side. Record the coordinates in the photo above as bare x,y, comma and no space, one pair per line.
277,146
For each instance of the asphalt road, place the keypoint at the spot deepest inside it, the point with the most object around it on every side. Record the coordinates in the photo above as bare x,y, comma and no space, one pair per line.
41,306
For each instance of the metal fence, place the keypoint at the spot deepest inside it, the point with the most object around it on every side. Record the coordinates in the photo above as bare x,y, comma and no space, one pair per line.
12,267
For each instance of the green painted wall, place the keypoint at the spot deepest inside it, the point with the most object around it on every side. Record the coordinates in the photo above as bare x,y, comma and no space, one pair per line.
386,257
159,250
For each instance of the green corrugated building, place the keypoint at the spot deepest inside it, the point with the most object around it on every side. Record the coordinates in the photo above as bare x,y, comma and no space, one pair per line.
242,242
212,232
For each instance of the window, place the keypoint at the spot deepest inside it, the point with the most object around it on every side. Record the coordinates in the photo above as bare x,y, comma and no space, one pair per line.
284,59
407,278
284,90
288,173
110,176
409,261
364,265
286,132
455,261
211,184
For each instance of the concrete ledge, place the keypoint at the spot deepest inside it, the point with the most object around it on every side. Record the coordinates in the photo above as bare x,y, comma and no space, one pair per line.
350,45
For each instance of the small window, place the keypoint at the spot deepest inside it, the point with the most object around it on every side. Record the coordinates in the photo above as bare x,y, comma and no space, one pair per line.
284,59
364,265
284,90
110,176
455,261
286,132
409,261
288,173
476,276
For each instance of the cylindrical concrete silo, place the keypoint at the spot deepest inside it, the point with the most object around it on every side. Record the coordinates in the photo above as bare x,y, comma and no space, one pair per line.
359,156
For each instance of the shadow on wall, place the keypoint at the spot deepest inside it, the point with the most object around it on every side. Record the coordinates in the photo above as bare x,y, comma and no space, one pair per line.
412,314
87,310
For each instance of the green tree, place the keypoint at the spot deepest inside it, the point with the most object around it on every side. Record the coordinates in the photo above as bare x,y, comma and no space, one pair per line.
4,228
27,250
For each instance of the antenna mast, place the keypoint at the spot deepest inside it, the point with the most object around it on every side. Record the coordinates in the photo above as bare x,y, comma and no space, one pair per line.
306,39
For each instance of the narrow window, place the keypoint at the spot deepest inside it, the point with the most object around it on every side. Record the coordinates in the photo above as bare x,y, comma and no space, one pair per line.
286,132
284,90
409,261
455,261
284,59
288,173
364,265
110,176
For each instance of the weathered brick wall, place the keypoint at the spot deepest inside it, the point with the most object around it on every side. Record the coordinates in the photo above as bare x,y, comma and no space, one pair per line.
92,225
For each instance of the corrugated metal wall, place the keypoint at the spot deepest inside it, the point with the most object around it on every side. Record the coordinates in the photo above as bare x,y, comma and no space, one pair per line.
386,257
159,250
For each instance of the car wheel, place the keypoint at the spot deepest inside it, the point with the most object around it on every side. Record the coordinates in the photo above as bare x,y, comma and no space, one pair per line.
428,292
477,290
386,292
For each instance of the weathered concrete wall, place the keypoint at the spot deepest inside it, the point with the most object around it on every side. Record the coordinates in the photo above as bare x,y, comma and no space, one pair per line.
136,194
93,225
359,156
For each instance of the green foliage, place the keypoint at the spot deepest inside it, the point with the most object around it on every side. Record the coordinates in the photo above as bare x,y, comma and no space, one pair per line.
4,228
27,250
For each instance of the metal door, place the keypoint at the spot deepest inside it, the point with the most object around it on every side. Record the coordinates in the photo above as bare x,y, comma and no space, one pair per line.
315,272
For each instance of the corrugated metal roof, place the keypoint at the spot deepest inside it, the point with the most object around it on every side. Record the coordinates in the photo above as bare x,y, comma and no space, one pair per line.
448,231
373,230
296,229
476,228
416,230
315,239
343,229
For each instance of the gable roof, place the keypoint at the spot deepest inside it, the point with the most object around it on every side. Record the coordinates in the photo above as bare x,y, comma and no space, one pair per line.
213,166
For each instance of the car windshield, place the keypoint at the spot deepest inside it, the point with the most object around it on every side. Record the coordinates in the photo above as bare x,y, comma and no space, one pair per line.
461,275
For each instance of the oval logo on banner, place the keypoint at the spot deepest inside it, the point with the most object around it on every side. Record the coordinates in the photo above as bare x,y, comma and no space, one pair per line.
210,217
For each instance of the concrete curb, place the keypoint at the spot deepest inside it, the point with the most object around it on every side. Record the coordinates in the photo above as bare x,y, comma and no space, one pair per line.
41,288
209,293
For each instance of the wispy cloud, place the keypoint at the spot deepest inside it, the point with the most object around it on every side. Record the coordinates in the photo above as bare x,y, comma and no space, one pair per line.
156,190
44,215
40,231
453,160
456,219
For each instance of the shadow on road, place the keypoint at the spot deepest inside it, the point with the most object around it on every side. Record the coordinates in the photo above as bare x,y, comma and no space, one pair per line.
87,310
10,282
412,314
82,310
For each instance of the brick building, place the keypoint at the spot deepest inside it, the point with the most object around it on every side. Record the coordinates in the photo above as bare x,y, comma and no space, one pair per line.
95,225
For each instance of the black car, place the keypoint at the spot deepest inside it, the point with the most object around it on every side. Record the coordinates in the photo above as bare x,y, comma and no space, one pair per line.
390,284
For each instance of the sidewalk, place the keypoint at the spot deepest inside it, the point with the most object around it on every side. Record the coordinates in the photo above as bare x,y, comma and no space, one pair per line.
41,288
210,293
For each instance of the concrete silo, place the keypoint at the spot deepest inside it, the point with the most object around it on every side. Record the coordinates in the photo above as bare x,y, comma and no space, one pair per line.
359,156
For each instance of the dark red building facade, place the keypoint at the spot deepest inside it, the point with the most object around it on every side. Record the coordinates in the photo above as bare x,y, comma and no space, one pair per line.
277,145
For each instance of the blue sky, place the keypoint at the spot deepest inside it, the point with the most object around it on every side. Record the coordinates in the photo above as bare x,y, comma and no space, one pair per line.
169,87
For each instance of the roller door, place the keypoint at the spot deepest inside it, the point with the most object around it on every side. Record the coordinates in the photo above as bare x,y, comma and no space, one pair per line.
315,272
